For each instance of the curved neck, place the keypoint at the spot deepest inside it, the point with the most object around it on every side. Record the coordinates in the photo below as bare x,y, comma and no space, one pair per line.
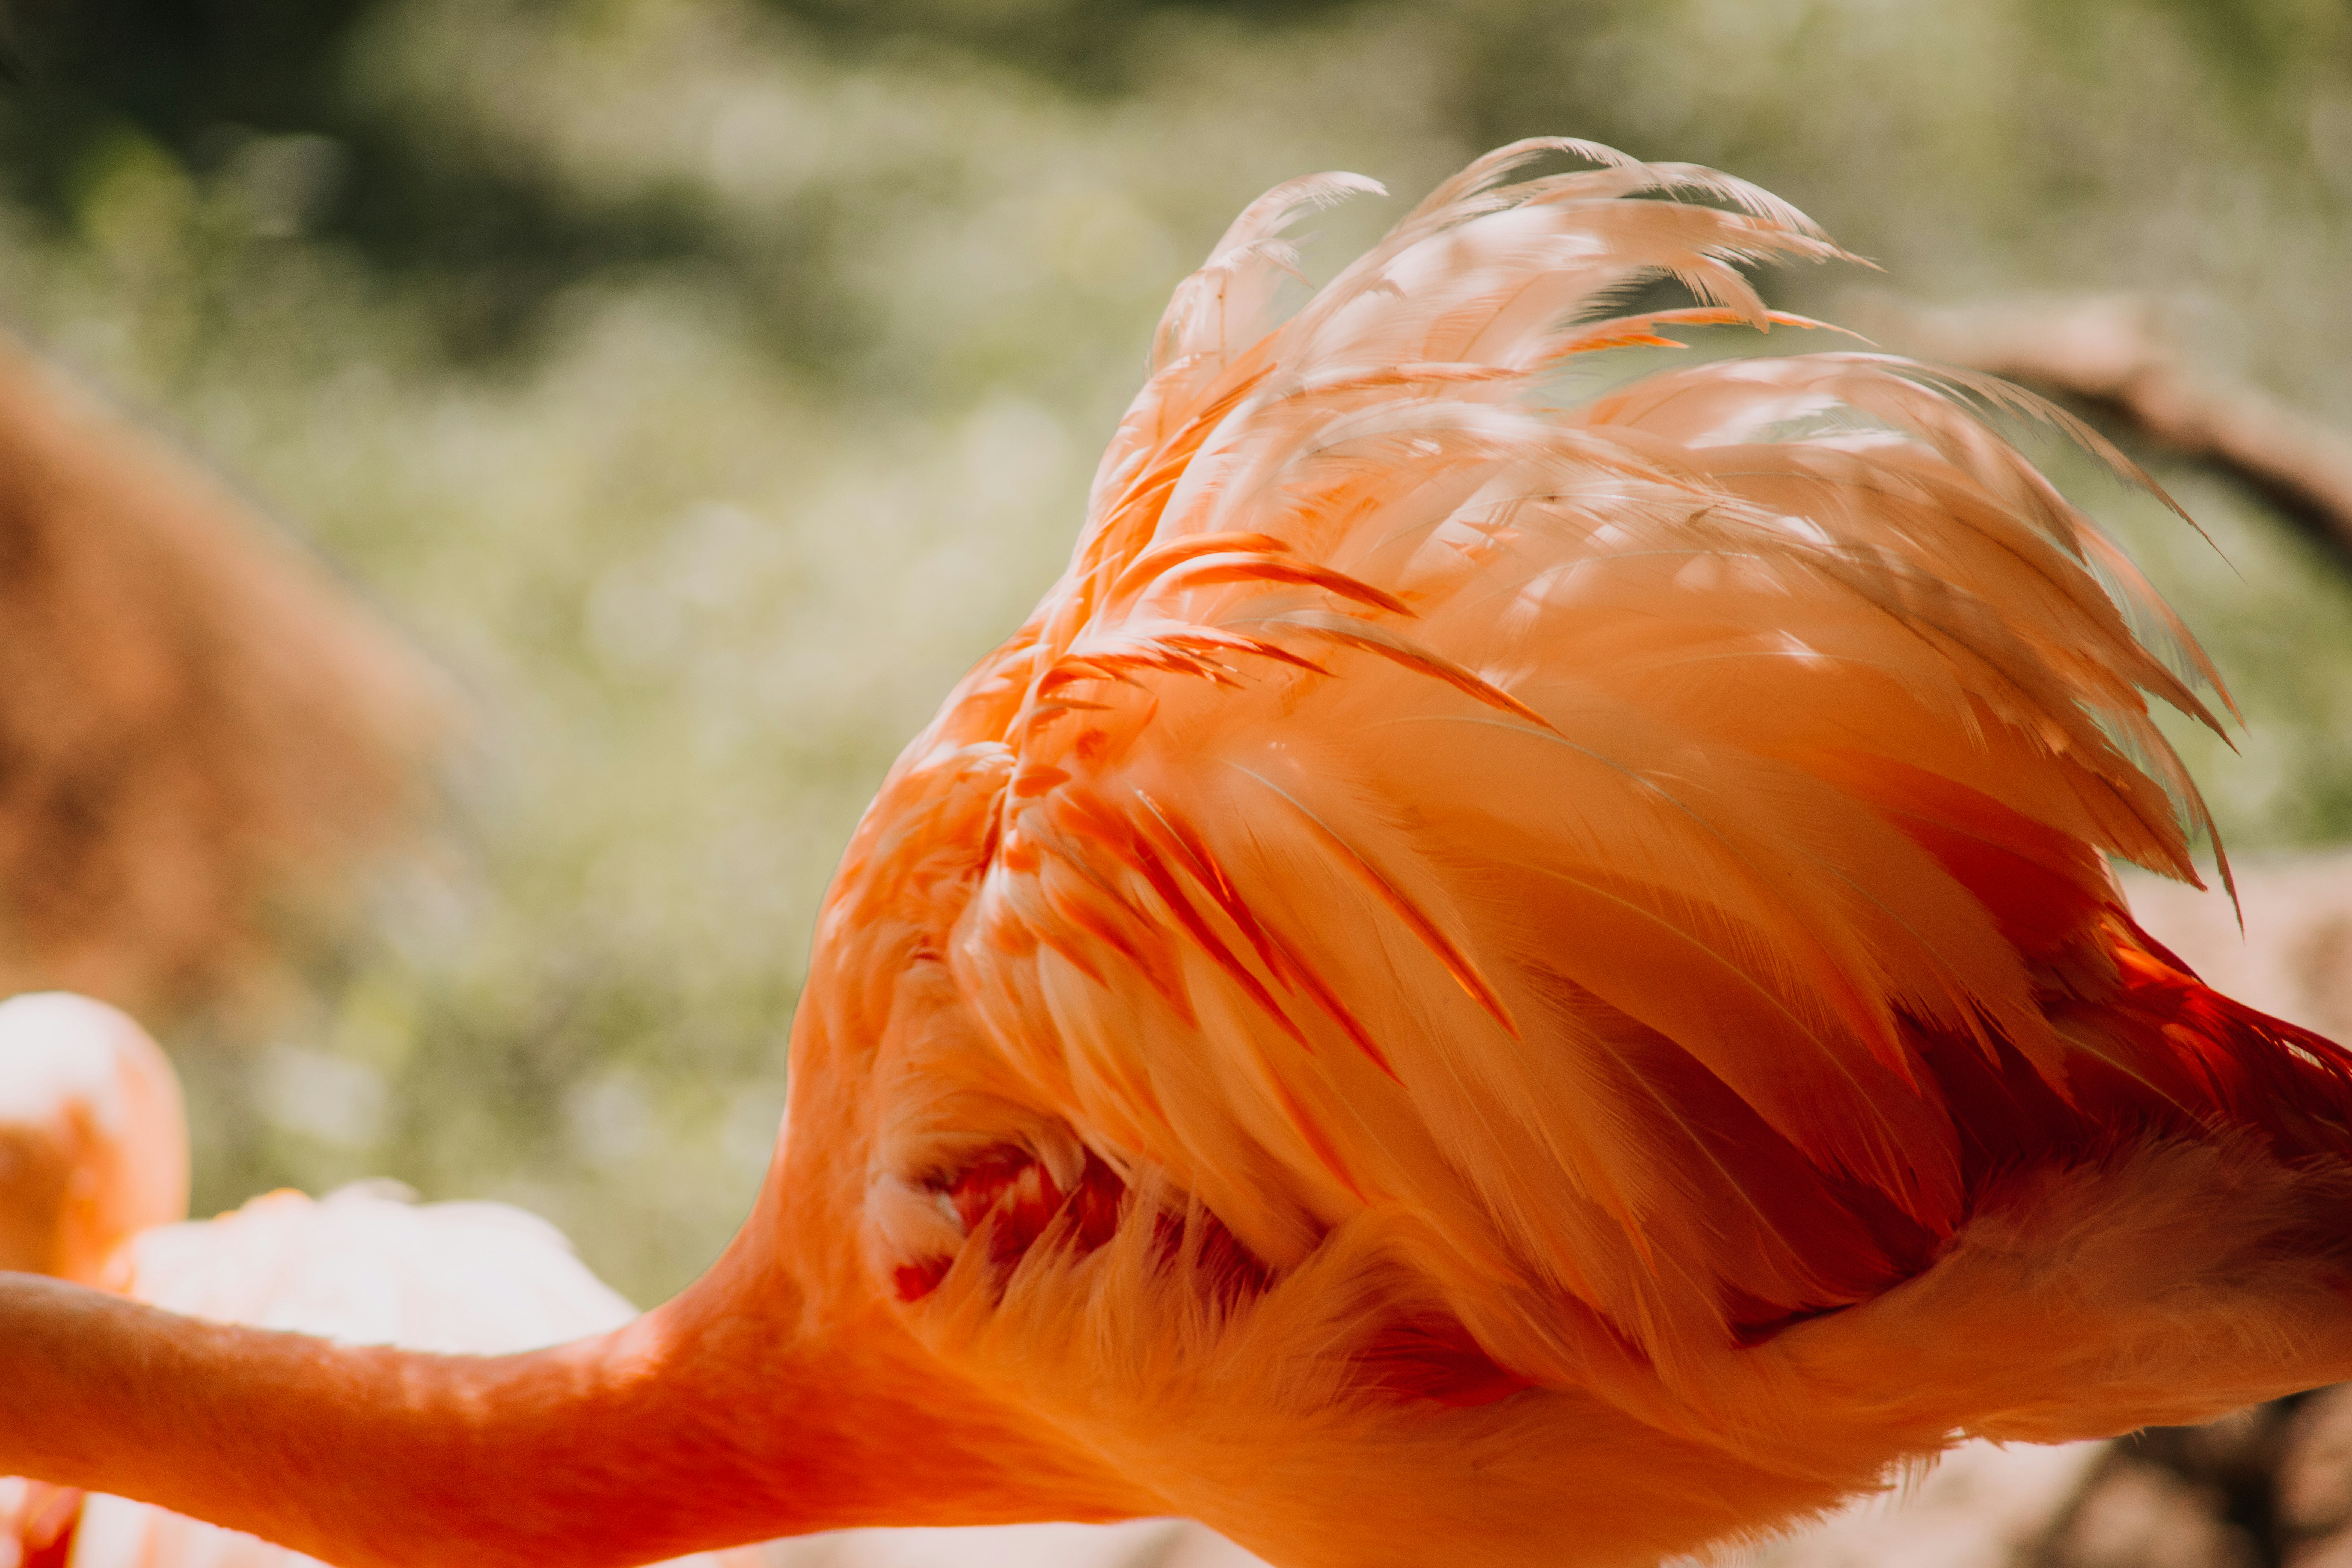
733,1413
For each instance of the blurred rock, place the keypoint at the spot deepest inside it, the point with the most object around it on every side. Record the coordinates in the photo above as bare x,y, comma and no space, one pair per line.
2314,1480
1984,1506
2134,1514
1144,1544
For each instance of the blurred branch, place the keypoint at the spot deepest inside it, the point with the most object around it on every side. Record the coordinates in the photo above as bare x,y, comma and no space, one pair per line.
2111,351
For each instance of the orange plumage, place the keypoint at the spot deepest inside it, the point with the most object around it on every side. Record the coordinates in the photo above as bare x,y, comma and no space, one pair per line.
1499,972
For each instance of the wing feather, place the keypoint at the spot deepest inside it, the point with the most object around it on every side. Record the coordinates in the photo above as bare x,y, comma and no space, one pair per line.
1623,837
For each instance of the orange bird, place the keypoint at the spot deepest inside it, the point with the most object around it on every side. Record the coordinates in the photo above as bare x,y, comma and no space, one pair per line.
93,1174
1512,969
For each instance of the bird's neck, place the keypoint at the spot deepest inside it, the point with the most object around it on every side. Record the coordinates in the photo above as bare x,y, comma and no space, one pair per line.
738,1412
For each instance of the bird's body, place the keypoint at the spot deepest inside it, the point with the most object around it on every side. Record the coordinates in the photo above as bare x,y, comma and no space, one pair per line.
1496,974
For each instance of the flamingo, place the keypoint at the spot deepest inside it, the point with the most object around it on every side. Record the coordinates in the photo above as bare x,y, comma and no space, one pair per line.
94,1188
1518,965
209,728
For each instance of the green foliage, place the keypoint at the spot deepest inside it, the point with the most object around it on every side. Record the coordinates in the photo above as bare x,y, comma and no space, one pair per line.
706,383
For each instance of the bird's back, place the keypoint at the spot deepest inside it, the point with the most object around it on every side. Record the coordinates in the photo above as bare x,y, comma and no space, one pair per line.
1547,894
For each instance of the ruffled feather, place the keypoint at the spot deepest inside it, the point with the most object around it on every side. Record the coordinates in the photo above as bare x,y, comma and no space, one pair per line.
1623,836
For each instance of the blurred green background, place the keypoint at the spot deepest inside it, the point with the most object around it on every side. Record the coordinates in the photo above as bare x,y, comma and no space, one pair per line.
704,383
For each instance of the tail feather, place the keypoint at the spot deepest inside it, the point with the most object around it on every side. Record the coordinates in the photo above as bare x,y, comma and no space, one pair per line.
2219,1061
